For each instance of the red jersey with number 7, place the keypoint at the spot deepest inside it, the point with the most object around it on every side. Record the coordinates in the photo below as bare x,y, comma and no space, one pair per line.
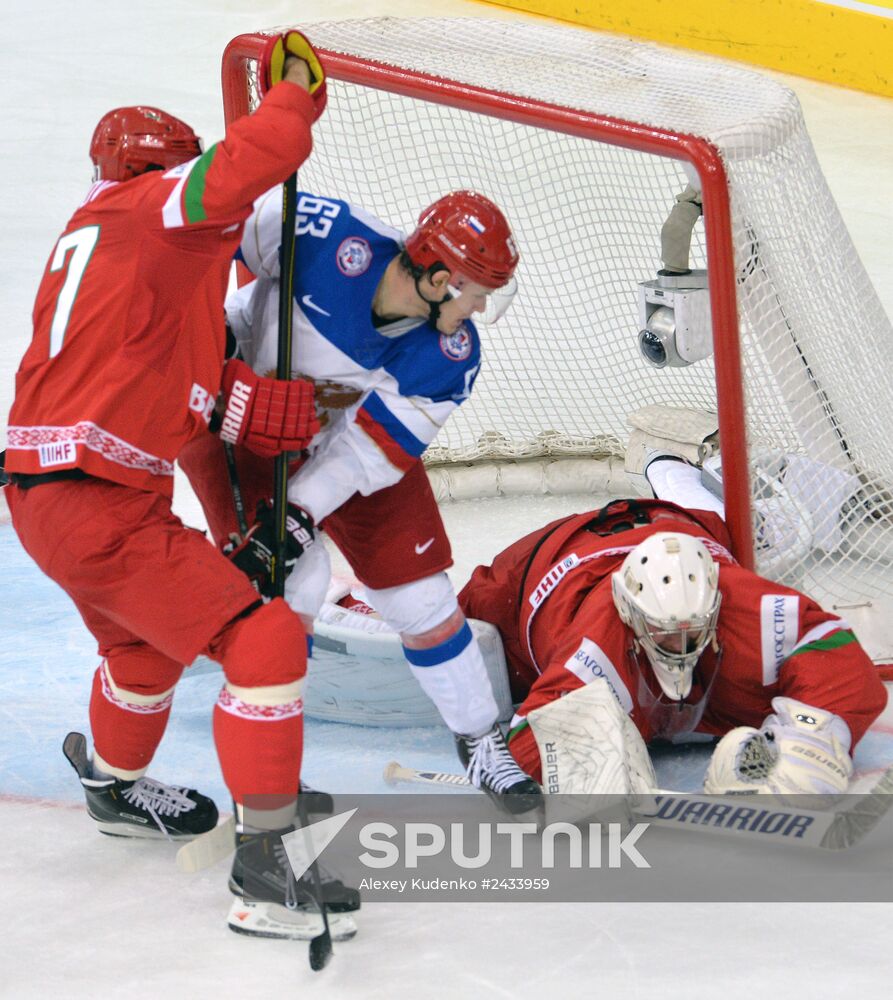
128,344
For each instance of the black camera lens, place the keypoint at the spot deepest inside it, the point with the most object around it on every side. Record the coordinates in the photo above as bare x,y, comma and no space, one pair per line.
652,348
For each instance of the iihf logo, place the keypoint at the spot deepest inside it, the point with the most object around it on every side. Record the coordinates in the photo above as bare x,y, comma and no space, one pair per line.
456,346
354,256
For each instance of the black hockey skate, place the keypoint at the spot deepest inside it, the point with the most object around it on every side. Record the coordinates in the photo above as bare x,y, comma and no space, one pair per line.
272,903
143,808
490,766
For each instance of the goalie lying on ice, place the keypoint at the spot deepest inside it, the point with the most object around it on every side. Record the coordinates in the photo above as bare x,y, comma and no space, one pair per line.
644,598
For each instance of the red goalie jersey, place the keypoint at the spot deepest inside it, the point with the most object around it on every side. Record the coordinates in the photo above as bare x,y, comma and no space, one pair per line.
128,346
550,596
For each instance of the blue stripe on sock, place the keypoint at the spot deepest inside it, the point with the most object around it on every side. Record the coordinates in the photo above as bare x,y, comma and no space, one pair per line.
440,654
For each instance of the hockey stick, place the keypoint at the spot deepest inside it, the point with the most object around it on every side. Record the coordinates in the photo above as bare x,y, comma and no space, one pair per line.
208,848
283,371
321,945
236,488
731,816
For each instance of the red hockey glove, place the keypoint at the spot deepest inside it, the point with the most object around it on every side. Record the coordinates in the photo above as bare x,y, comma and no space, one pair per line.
254,555
271,66
267,415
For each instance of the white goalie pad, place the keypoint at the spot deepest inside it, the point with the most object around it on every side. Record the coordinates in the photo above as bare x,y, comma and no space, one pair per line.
589,746
671,430
359,674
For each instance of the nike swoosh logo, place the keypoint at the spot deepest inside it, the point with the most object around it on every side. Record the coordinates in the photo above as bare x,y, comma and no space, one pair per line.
421,549
310,304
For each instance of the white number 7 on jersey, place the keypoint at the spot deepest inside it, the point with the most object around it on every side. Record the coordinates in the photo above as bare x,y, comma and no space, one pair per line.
82,241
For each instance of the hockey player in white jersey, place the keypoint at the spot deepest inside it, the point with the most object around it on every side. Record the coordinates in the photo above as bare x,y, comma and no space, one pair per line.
383,326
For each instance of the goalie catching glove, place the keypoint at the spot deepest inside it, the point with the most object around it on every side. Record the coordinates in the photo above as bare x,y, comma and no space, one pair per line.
271,66
799,749
254,554
267,415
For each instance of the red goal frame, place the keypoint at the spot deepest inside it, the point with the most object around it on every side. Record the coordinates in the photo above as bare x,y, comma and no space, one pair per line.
700,153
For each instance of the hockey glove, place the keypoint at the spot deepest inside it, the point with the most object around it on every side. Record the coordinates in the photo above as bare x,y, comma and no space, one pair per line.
798,749
267,415
254,554
271,66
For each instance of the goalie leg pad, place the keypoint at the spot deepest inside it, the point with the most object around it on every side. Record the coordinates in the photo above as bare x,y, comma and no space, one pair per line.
589,746
680,483
670,430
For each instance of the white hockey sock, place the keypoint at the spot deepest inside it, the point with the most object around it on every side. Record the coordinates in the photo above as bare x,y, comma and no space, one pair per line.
454,677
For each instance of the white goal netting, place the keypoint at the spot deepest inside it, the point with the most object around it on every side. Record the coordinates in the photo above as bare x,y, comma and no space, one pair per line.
418,107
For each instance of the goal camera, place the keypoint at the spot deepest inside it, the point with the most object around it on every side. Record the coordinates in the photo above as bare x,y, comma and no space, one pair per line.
674,320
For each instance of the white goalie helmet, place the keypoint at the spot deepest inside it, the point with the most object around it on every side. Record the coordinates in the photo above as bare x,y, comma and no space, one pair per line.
666,591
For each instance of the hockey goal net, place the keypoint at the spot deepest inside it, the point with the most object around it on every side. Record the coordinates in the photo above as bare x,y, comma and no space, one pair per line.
586,141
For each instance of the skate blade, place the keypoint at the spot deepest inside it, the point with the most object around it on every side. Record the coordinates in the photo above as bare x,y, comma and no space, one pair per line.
133,832
274,921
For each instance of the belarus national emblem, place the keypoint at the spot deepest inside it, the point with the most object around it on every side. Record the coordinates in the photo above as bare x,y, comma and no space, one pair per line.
354,256
456,346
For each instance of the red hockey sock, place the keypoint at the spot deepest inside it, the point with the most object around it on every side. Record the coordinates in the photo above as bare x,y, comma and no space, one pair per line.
127,726
260,750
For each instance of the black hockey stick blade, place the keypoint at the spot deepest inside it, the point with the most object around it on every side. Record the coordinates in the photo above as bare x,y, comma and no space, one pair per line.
74,746
321,950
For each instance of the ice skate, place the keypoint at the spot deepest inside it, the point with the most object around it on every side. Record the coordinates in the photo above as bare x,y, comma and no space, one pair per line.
144,808
490,767
271,903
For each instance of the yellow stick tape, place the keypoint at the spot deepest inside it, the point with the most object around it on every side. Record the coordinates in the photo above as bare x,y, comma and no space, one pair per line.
822,41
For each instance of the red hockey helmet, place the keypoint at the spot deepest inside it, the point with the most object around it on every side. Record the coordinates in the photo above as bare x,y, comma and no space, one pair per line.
467,233
129,141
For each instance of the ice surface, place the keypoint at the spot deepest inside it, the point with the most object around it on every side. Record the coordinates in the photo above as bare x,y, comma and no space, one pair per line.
86,915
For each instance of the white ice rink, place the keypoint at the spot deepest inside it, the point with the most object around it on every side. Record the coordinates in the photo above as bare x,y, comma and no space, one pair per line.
85,915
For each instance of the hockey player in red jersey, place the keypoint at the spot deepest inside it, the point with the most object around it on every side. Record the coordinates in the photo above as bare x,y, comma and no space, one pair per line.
125,366
644,599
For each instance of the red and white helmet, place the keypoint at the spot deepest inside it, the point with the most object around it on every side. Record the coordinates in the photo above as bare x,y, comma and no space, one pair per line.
129,141
468,234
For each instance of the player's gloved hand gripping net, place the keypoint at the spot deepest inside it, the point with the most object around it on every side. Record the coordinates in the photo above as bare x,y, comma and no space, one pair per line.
267,415
271,66
254,554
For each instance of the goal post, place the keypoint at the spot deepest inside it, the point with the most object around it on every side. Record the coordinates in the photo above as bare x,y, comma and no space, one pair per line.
586,141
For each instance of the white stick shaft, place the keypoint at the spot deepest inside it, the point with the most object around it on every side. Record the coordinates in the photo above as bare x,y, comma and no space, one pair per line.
395,773
208,848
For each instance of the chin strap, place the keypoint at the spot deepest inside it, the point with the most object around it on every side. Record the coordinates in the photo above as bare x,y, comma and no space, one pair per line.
433,307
